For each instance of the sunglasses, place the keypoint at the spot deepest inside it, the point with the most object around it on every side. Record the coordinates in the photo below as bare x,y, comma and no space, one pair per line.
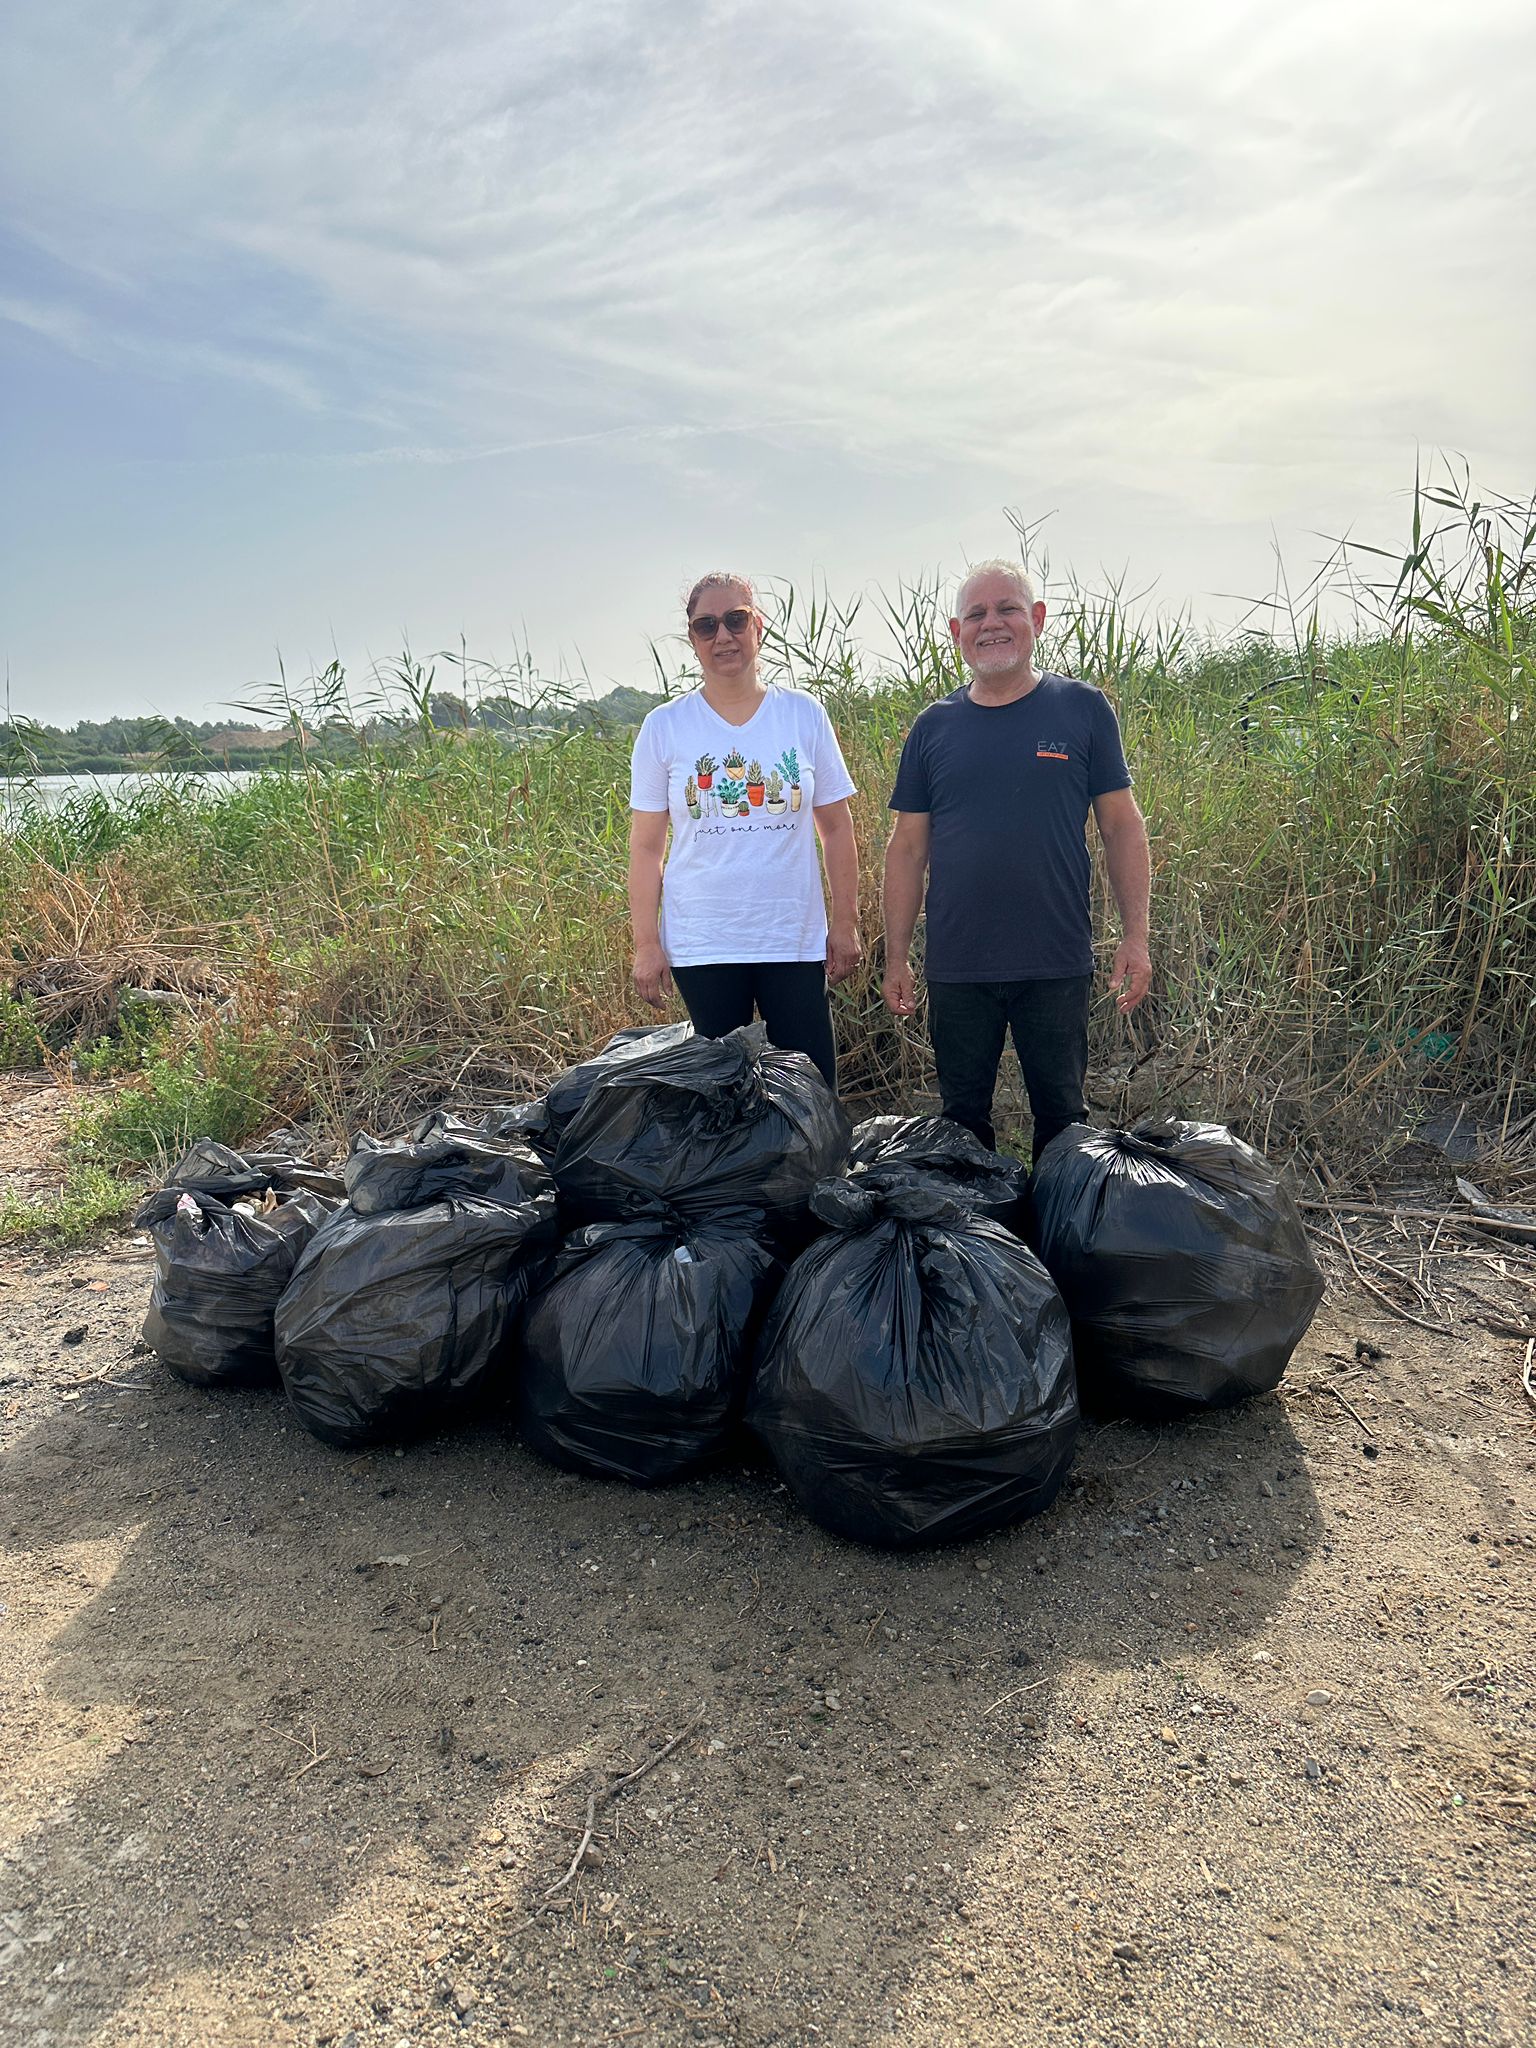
708,624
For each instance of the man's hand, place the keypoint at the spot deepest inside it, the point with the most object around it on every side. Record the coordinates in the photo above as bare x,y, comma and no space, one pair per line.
899,989
845,949
652,976
1133,967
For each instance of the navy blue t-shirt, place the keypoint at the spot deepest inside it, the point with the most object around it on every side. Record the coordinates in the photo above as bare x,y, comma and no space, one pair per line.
1007,789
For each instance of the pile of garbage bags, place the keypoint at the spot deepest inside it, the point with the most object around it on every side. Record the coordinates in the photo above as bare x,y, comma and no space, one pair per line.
683,1247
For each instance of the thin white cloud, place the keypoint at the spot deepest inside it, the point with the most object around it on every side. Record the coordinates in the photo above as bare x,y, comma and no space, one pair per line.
1221,255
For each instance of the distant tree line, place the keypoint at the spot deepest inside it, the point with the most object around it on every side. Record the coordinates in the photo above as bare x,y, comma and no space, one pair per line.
121,745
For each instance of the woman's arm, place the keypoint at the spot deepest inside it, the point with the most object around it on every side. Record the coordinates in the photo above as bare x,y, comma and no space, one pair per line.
647,846
840,853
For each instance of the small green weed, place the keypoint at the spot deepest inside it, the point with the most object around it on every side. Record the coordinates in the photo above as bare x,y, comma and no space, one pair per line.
21,1040
92,1199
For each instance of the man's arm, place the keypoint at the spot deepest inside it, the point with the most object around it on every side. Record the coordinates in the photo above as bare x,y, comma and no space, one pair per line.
906,867
1127,856
840,854
647,845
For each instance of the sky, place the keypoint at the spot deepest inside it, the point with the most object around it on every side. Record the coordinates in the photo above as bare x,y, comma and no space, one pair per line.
330,328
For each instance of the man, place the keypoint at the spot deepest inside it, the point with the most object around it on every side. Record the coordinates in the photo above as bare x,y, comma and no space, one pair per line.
992,799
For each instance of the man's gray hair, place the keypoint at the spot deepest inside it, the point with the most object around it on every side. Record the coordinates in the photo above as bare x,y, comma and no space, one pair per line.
998,566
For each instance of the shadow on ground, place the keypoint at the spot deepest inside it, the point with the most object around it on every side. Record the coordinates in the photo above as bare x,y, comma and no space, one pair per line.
314,1732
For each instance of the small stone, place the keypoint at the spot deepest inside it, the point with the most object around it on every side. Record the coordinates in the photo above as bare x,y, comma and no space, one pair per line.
1126,1952
1313,1769
1222,1891
1236,1778
716,1747
982,1565
795,1782
642,1528
1319,1698
1266,1489
1167,1736
968,1972
834,1705
77,1335
591,1858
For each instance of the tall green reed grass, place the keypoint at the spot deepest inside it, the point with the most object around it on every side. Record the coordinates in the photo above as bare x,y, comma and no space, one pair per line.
1343,824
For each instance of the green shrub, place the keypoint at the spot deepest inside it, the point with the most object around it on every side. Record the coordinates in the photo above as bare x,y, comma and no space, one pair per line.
141,1033
226,1081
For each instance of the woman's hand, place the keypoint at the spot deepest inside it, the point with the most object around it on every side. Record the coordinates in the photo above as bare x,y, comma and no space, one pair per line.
652,976
845,949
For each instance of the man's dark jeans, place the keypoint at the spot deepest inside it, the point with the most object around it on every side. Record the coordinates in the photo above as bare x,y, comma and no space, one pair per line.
967,1021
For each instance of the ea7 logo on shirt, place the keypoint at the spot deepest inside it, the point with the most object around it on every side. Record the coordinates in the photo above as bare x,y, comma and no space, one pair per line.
1051,750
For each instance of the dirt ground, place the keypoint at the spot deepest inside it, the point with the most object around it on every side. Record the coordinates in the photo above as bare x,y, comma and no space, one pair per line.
1234,1745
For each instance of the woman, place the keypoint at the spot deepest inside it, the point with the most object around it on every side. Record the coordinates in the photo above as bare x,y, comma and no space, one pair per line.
748,775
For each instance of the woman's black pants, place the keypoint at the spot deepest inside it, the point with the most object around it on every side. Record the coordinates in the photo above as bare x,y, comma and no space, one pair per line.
789,995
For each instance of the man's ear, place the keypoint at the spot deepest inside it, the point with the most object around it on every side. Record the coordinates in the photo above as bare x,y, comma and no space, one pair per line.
954,631
1037,614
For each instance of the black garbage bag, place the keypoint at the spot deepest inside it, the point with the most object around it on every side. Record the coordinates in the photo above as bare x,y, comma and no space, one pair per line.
569,1091
701,1126
209,1168
524,1123
220,1269
914,1377
442,1156
400,1320
953,1158
228,1228
636,1345
1182,1259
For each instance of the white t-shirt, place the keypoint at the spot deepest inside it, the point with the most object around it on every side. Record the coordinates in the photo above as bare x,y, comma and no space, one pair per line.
742,880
